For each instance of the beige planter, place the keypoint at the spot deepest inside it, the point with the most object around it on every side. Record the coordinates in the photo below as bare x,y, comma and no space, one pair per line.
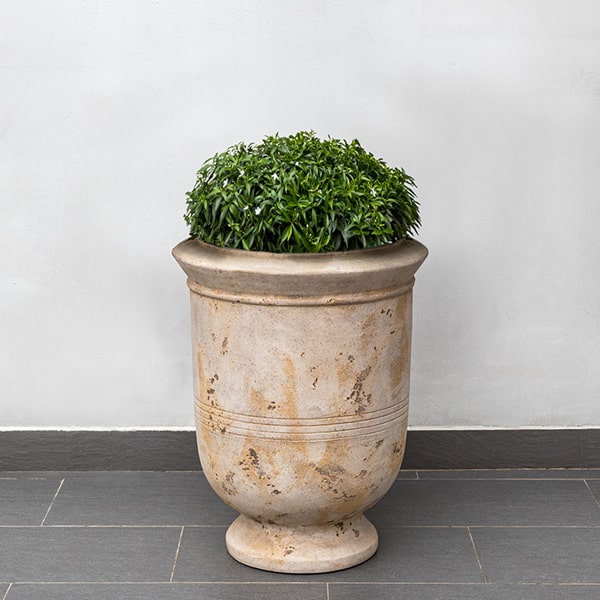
301,380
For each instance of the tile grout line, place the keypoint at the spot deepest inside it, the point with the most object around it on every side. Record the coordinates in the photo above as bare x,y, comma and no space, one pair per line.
327,590
388,525
437,584
441,584
587,485
6,593
219,583
464,526
61,526
176,556
52,503
425,477
485,579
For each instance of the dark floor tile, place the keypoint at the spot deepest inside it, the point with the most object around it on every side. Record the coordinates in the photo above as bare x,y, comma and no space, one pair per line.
495,449
87,474
539,554
34,474
94,450
25,501
590,448
168,591
486,502
79,474
594,486
407,475
396,591
82,554
512,474
405,554
139,498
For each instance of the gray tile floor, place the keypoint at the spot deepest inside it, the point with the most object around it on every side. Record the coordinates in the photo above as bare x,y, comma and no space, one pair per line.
444,535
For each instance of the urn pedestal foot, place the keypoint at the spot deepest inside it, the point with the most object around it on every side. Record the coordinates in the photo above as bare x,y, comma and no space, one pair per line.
302,549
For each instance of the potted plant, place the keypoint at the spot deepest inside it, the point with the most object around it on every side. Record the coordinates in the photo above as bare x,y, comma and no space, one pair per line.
300,266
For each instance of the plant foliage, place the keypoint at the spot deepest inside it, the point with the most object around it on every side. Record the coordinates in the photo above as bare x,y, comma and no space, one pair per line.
301,194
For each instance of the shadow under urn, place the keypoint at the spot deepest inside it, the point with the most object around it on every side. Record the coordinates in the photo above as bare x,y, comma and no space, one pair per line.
301,383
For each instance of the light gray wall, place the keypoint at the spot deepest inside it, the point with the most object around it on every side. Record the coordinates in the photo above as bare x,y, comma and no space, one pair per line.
108,108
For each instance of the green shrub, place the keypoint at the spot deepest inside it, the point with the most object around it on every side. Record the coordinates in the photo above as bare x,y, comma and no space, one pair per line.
301,194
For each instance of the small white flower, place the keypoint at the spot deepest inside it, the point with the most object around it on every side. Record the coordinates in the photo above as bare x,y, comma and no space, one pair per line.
257,210
225,182
275,176
242,172
245,208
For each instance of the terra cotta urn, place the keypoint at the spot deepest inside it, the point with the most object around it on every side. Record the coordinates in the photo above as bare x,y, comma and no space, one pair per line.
301,383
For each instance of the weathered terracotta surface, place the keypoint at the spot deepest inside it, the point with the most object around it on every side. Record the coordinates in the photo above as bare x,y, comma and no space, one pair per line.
301,381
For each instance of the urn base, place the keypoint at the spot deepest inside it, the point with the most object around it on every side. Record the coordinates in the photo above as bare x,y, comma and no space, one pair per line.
302,549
